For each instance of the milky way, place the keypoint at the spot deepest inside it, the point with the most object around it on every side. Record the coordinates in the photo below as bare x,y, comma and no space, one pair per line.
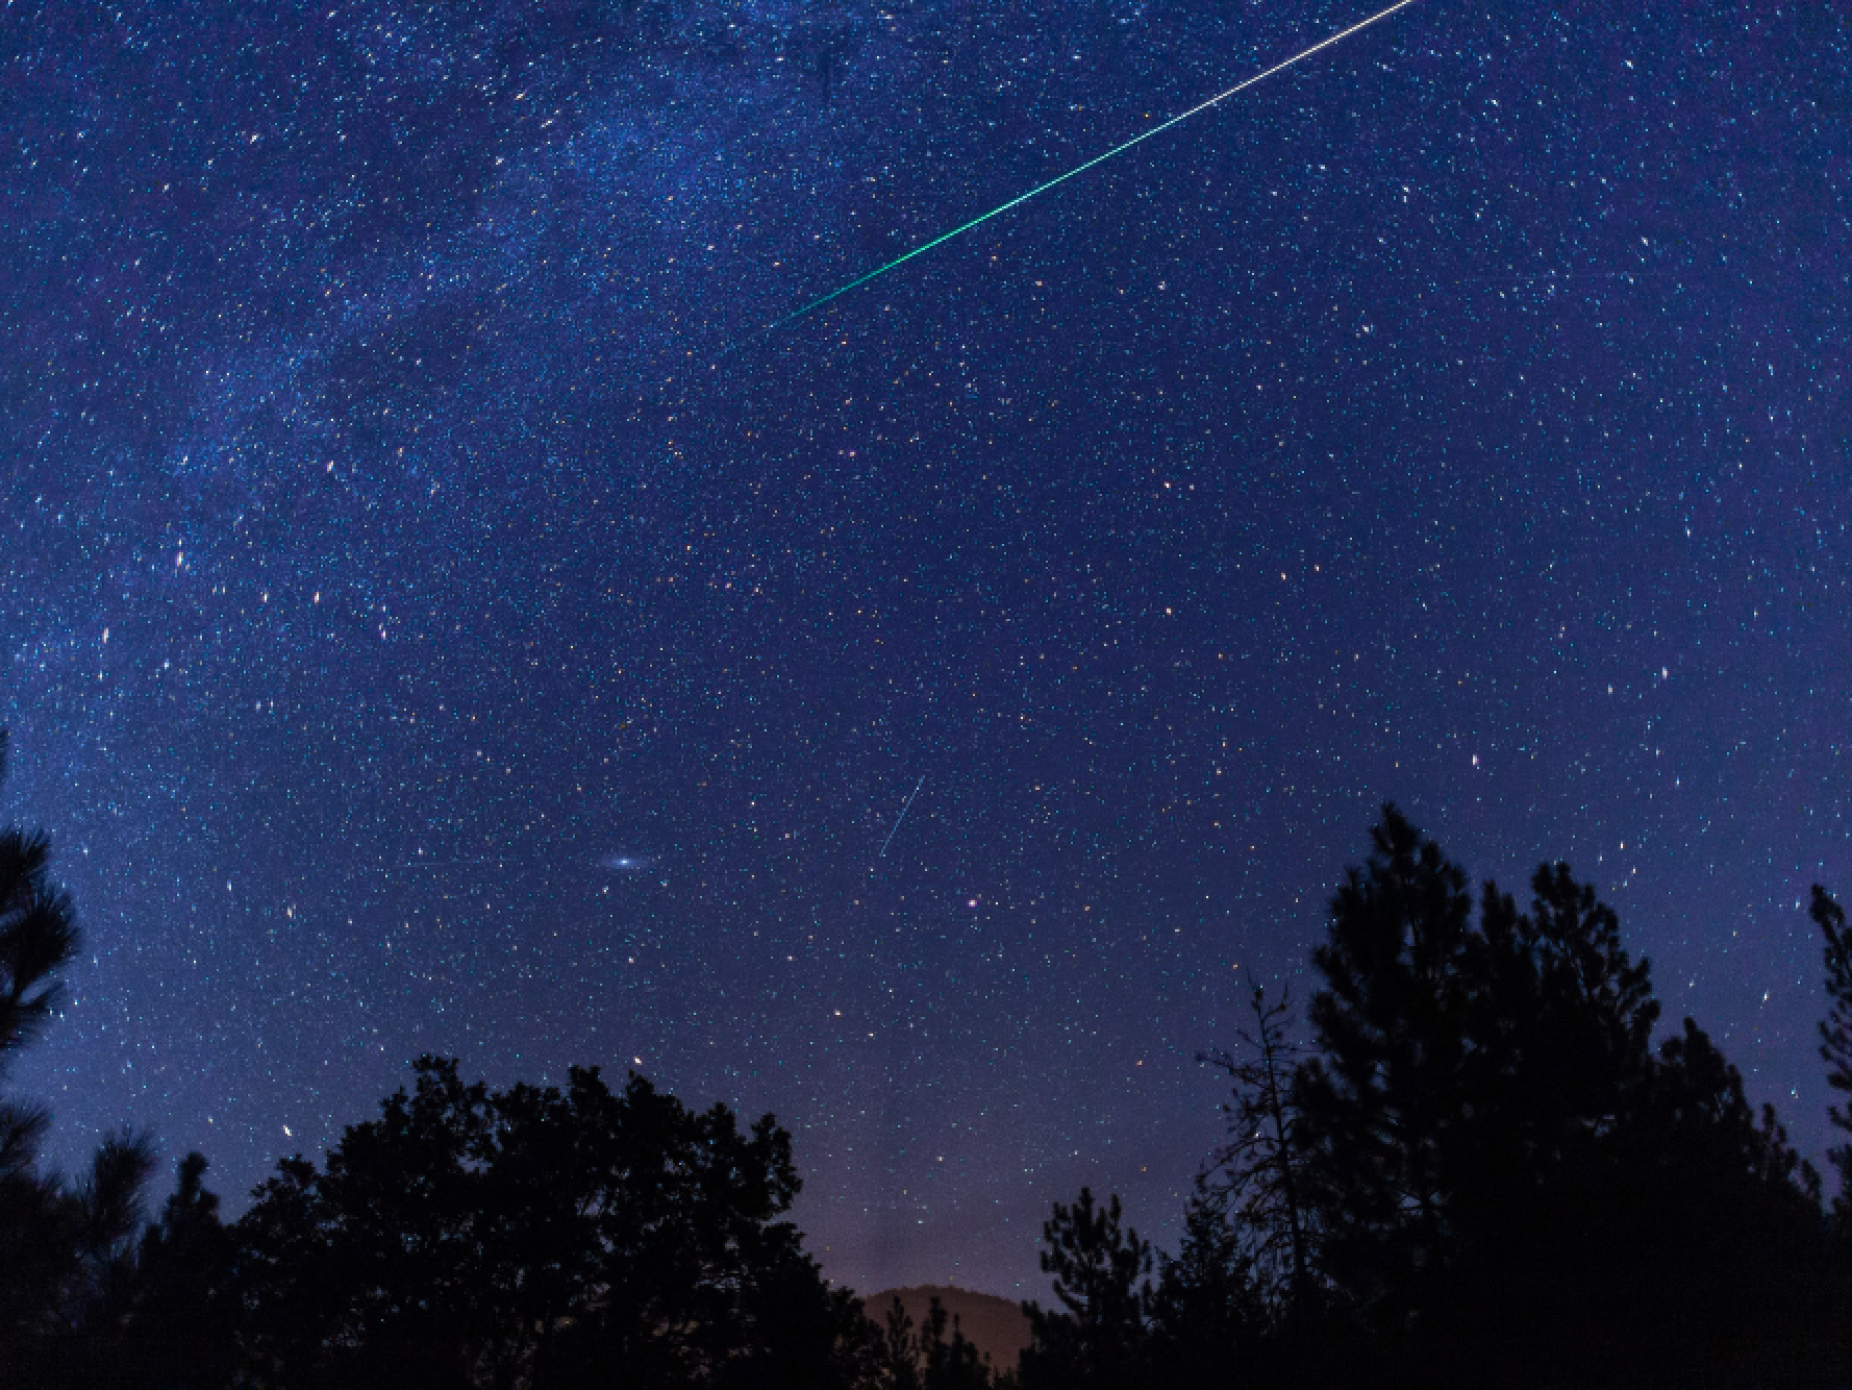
420,633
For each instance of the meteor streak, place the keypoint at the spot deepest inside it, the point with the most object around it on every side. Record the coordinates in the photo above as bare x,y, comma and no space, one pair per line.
902,816
1042,188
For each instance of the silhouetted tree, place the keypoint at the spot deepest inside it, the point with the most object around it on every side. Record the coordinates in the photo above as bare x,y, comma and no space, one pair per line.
1558,1067
926,1358
948,1363
1208,1313
900,1349
1507,1180
1836,1051
1377,1104
375,1269
1559,1030
66,1253
1099,1337
179,1330
39,1227
1713,1257
1836,1037
534,1236
38,935
1255,1179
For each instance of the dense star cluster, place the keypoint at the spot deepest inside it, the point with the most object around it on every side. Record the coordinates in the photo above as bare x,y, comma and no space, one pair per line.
436,617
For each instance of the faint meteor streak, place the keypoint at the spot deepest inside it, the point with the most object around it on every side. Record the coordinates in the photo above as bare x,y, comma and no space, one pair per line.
450,864
902,816
1120,149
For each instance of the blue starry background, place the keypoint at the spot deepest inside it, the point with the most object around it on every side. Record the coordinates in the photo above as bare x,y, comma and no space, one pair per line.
435,616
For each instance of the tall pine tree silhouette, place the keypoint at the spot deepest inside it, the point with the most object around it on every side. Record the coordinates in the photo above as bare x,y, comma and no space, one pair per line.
1098,1338
1378,1102
66,1252
1256,1180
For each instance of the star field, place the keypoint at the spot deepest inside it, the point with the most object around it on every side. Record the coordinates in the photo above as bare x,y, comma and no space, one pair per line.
434,617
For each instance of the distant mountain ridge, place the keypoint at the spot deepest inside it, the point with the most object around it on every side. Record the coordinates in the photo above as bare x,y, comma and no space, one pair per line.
997,1327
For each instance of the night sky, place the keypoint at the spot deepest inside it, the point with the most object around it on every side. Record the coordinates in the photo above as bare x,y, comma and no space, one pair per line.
435,617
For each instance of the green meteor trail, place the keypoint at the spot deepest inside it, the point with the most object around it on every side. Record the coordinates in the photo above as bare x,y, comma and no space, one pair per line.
1042,188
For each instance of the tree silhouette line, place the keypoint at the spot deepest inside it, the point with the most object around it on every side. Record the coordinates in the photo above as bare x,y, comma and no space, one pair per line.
1477,1169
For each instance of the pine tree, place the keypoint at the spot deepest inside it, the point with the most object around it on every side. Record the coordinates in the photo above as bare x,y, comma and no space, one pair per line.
949,1362
1256,1179
66,1253
900,1349
1209,1315
1836,1037
180,1324
1506,1179
1718,1222
1376,1105
1098,1338
935,1356
38,937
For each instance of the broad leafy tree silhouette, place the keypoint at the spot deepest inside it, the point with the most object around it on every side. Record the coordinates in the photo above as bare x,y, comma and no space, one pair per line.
543,1237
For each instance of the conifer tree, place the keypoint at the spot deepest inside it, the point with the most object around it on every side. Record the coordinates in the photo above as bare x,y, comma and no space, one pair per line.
1098,1339
1836,1037
900,1349
180,1324
66,1252
1718,1220
1208,1312
1506,1179
38,935
1377,1103
934,1356
1256,1179
949,1362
